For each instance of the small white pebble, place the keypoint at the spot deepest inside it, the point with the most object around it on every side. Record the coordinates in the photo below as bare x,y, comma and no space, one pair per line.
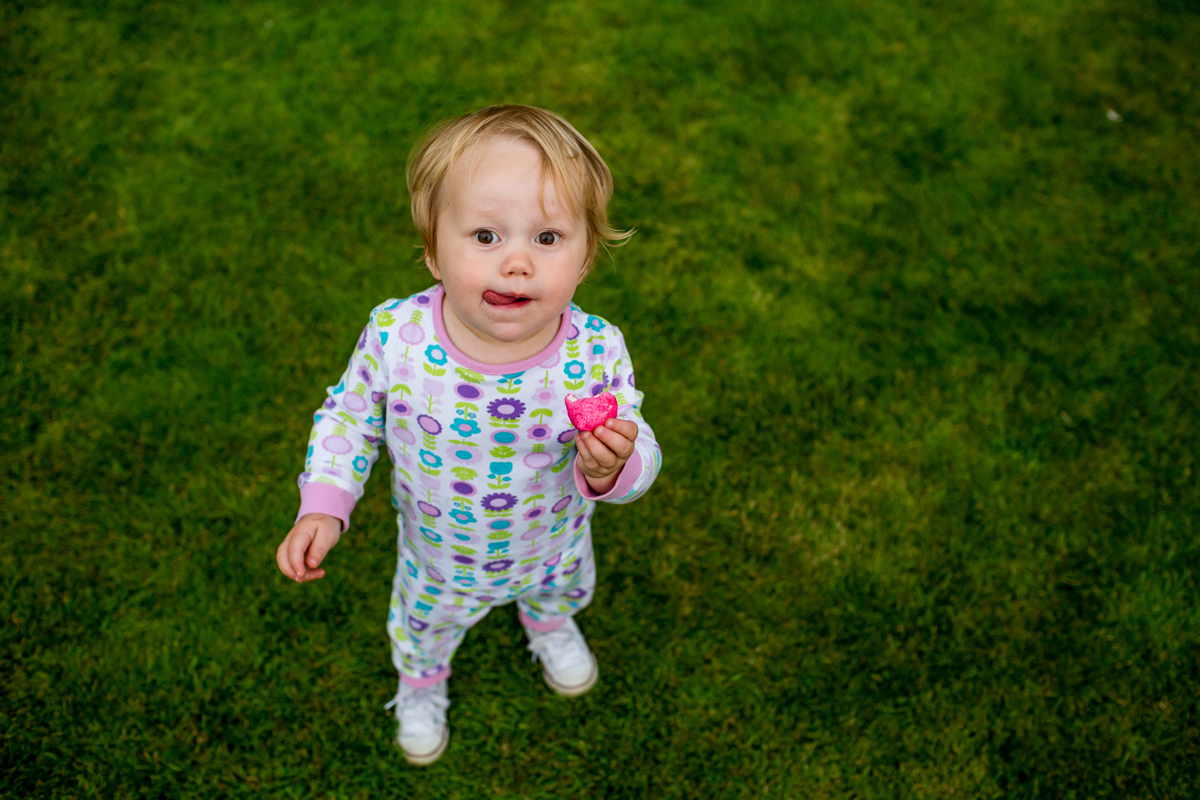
1112,115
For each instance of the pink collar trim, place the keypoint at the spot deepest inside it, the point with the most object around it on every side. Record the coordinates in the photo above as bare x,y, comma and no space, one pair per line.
439,328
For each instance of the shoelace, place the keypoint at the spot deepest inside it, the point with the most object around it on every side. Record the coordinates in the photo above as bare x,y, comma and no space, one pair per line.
420,706
558,647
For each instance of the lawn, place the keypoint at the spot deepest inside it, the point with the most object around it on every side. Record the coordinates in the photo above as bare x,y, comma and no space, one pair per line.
913,298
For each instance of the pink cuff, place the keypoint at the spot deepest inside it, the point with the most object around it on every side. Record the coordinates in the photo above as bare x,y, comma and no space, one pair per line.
421,683
541,626
322,498
625,481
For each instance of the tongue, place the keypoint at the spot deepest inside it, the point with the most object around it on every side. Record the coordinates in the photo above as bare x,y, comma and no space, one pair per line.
499,299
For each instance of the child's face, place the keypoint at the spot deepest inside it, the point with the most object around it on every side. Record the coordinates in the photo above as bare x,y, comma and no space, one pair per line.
509,264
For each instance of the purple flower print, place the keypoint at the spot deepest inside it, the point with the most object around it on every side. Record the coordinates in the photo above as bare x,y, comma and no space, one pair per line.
466,560
573,332
433,388
575,594
498,566
378,397
463,488
597,388
539,433
616,383
404,435
572,568
423,300
549,362
468,391
411,333
365,374
579,520
404,372
338,445
416,624
362,339
429,424
434,575
561,504
545,395
401,409
538,460
430,482
329,403
426,508
354,402
566,436
552,560
506,408
535,512
499,501
528,568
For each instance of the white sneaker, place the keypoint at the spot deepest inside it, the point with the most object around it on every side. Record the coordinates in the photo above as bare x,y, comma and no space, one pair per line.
423,733
567,664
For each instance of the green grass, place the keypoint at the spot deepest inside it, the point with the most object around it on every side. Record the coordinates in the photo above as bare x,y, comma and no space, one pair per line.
917,324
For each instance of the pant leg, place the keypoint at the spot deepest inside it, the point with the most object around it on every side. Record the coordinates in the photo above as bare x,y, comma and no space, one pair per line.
566,586
427,618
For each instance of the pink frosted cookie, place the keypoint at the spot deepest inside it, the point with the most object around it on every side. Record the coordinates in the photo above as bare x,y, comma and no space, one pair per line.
589,413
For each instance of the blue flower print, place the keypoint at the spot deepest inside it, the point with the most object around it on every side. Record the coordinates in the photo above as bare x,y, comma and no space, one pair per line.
595,323
465,427
436,354
462,516
431,460
500,468
360,464
574,370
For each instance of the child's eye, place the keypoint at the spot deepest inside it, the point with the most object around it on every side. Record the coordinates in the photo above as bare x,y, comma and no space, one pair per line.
485,237
548,238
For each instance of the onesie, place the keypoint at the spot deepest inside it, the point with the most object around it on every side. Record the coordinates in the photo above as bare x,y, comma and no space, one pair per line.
491,505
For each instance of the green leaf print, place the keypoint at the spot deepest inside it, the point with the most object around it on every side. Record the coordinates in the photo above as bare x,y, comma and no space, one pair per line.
598,371
541,413
573,385
432,370
502,452
371,359
468,376
385,319
462,473
400,389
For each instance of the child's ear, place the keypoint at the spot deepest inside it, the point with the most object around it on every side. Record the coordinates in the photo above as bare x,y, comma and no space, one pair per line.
433,270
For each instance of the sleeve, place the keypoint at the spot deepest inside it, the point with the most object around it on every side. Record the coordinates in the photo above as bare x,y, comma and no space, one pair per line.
347,431
643,466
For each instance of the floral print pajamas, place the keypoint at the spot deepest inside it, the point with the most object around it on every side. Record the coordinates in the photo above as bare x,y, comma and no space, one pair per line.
490,503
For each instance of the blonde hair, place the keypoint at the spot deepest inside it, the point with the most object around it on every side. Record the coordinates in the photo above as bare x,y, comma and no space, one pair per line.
573,164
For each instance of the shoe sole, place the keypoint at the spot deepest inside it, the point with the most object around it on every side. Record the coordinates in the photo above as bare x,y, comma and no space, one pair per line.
578,689
424,759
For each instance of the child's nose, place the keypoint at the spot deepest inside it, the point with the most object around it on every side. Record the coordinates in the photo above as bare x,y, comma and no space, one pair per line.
518,262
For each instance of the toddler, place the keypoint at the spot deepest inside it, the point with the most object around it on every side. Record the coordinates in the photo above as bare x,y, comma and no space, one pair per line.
464,385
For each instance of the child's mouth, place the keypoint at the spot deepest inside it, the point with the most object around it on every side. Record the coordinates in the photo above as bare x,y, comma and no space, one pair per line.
497,299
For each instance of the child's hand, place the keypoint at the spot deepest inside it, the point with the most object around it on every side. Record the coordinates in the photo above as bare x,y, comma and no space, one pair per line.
306,544
604,451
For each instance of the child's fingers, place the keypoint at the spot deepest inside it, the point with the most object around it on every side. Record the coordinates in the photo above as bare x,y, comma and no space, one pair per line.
321,544
625,427
599,453
297,544
617,443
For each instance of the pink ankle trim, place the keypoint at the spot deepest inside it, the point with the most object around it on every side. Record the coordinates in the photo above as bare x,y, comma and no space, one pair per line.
538,625
420,683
